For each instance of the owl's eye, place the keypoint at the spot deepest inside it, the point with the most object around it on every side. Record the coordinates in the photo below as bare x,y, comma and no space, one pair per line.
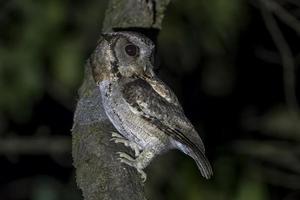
131,50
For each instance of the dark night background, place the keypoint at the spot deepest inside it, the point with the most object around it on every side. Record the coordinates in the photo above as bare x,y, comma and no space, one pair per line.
217,55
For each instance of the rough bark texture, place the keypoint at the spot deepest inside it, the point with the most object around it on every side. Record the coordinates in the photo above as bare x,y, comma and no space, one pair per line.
99,174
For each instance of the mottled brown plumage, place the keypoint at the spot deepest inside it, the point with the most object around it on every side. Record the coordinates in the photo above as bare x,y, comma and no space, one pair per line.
142,108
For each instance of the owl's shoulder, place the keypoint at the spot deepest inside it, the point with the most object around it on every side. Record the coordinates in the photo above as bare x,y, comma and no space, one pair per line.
141,94
136,90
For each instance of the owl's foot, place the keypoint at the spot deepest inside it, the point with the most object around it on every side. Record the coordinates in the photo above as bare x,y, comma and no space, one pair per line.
128,160
116,135
117,138
139,163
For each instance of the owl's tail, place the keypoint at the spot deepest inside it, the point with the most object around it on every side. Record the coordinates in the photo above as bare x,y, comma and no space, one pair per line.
202,163
193,147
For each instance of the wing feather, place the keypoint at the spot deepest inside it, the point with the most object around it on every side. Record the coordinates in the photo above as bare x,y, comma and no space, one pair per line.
158,108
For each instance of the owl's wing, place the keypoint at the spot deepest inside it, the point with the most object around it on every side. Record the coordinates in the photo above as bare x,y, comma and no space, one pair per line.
164,111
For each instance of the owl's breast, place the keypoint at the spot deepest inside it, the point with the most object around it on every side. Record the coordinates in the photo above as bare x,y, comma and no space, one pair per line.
130,124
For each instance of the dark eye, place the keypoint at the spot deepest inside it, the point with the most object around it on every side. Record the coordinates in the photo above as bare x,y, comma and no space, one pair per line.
131,50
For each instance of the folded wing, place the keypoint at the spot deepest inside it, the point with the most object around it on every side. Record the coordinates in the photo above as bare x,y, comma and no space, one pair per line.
164,111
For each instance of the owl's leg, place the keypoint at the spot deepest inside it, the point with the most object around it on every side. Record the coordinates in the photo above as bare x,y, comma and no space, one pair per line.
139,163
118,138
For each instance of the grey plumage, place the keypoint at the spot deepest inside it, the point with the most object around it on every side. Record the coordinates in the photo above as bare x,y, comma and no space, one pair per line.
142,108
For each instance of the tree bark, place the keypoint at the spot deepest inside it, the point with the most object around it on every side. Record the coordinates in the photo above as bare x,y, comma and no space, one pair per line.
99,174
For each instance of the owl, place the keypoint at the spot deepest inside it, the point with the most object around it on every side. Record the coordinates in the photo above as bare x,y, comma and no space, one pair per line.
143,109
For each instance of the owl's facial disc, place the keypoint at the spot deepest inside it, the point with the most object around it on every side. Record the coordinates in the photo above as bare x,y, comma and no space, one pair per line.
133,56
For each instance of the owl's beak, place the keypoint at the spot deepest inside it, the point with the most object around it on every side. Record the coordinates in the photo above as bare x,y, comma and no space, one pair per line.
147,70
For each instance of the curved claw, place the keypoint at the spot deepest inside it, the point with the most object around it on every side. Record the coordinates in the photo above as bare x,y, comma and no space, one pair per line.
125,156
128,160
143,175
135,147
116,135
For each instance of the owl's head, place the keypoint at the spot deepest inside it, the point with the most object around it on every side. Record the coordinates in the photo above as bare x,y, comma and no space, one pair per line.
123,54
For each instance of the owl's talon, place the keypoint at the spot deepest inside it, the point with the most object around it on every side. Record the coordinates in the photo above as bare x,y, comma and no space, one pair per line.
127,143
143,175
128,160
125,156
139,163
116,135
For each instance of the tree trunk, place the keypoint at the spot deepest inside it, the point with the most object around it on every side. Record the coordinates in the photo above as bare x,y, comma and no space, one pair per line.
98,173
